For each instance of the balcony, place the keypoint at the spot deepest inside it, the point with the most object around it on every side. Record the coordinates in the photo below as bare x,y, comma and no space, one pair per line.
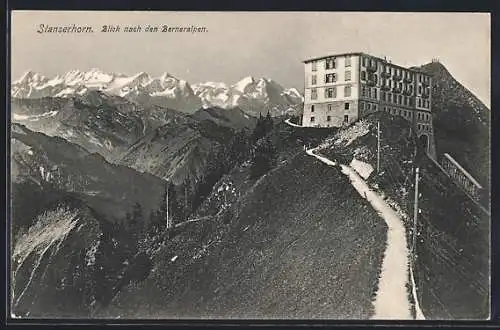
371,83
371,67
397,77
385,87
408,91
385,74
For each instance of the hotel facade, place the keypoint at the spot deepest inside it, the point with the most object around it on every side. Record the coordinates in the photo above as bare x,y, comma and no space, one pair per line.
341,88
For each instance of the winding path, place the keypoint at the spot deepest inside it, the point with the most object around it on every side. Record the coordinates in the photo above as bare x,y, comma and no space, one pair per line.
391,301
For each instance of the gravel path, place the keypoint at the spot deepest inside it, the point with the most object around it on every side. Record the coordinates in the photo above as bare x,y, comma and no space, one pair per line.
391,301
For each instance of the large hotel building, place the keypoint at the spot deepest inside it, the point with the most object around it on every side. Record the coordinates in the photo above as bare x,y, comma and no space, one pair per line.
341,88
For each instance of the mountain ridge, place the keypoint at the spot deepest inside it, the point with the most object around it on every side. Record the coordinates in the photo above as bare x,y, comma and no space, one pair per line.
165,90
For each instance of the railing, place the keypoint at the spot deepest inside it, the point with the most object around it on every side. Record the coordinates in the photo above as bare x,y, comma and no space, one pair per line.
397,77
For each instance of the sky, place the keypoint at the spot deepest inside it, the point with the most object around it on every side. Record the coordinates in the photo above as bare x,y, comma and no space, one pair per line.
258,44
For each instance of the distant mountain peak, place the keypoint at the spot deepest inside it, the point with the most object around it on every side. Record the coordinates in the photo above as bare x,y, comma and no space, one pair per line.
435,68
30,76
166,75
242,84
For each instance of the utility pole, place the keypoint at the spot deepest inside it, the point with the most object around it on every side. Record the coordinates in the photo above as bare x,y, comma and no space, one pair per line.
378,147
168,222
415,213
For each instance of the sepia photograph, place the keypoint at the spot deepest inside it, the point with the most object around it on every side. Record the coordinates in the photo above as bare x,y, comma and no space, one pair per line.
181,165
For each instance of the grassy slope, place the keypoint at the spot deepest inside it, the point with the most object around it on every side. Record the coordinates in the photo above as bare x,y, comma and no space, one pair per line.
453,249
303,245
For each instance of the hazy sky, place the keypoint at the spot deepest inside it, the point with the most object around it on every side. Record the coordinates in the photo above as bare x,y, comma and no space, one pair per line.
261,44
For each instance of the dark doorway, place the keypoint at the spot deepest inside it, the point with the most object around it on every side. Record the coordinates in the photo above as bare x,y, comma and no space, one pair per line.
423,142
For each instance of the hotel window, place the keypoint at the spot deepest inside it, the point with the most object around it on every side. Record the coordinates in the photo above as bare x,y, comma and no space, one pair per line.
419,102
363,61
314,66
330,63
348,61
328,118
368,106
394,98
375,93
314,94
346,119
363,91
312,108
374,107
363,75
313,80
400,99
330,78
348,76
312,119
388,97
330,92
329,107
362,105
347,91
346,106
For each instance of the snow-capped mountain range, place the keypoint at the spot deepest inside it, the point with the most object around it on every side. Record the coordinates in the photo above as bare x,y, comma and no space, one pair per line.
250,94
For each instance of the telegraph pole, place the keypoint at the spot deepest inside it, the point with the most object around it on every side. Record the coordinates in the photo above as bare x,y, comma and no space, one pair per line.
378,146
168,222
415,213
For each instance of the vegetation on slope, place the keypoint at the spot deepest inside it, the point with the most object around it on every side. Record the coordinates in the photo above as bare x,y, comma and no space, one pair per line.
310,249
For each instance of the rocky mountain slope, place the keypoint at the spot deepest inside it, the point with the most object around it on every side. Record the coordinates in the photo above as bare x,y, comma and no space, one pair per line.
72,248
461,122
233,118
43,163
100,123
70,262
167,91
177,150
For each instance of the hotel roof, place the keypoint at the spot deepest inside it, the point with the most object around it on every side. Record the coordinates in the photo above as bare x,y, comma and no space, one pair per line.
364,54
